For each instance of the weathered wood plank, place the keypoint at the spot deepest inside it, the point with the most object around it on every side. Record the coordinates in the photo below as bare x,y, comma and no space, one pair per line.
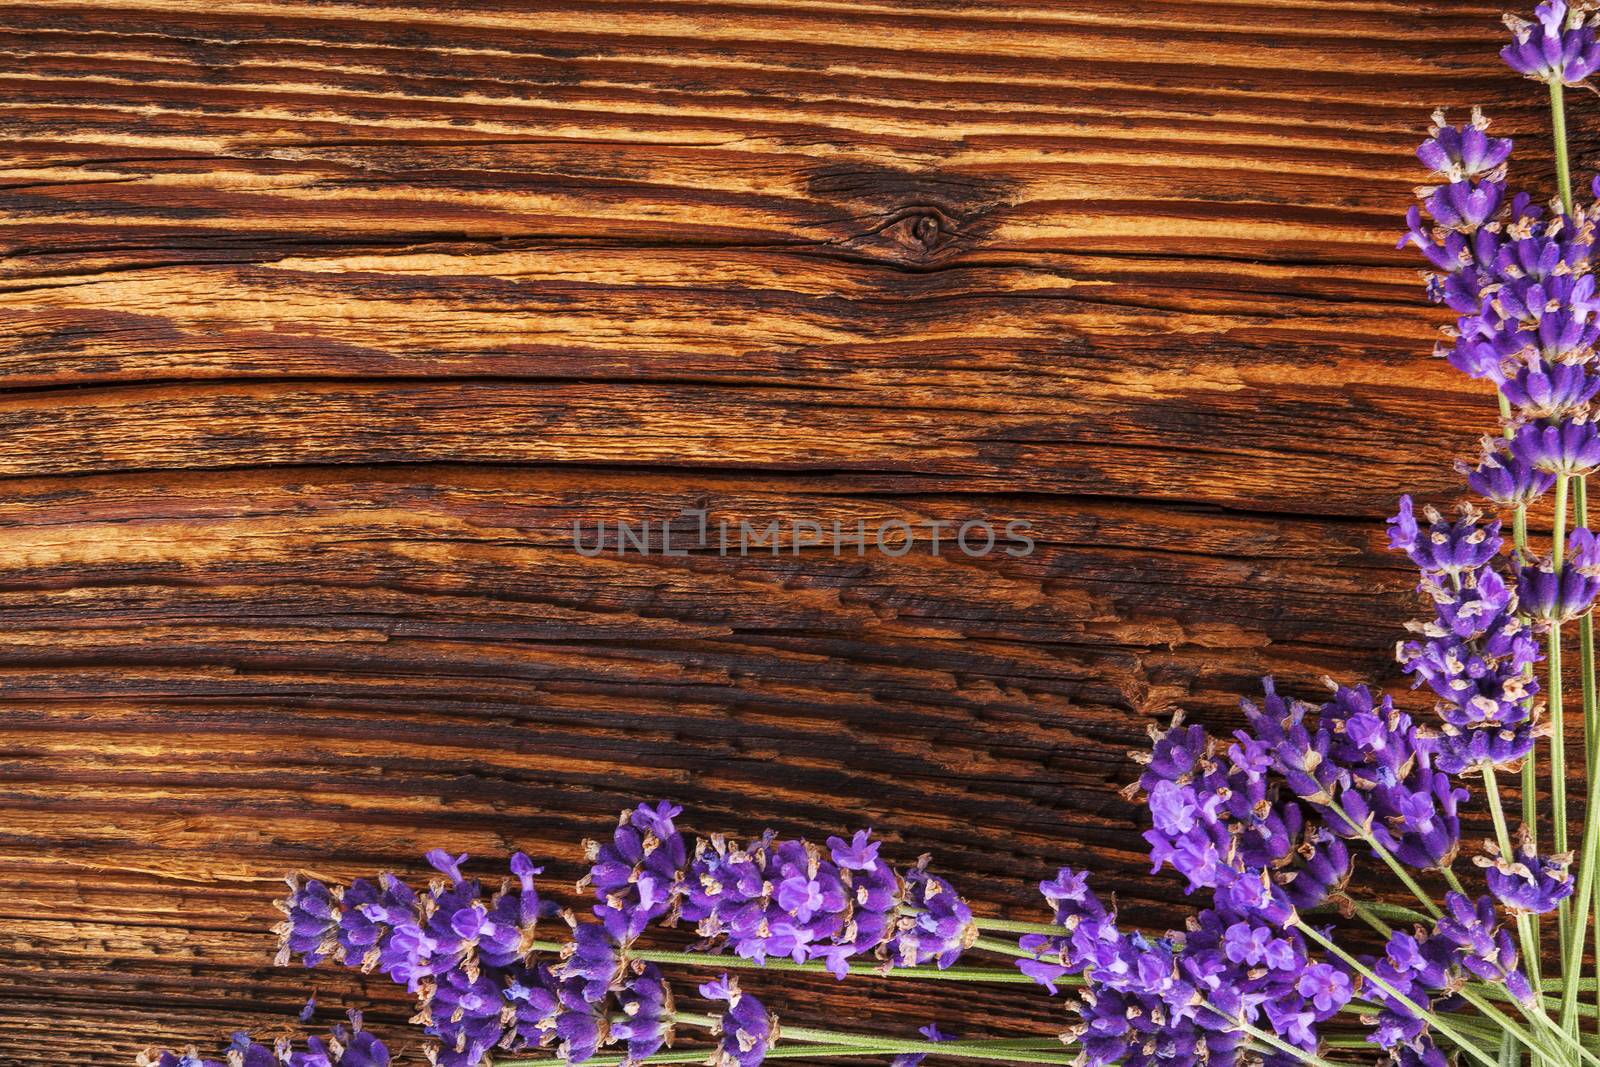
326,322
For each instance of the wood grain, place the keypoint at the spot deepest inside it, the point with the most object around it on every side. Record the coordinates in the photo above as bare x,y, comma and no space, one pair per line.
325,322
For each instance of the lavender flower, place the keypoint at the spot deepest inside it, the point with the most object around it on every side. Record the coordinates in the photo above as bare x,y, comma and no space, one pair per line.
1481,946
1558,47
1181,998
1463,153
646,1003
1447,548
1526,881
1477,653
1569,449
1506,479
311,927
344,1047
940,925
636,875
1553,595
790,898
747,1030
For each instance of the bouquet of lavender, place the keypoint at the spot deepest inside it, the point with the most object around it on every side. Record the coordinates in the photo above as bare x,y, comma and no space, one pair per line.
1285,963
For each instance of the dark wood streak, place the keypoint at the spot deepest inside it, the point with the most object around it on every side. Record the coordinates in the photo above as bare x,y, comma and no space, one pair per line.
325,323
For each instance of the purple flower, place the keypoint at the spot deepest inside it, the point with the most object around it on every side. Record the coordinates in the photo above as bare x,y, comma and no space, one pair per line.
1464,205
1479,944
746,1029
1550,595
344,1047
790,898
311,927
1327,987
1559,46
1526,881
1456,153
1570,448
1506,479
646,1003
1442,547
637,874
464,1012
939,927
546,1010
593,958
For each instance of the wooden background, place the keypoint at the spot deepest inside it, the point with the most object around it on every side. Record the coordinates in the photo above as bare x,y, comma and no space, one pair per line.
323,322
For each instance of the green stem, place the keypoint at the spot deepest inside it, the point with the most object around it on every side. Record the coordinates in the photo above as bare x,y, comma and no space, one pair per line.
989,975
813,1051
1558,733
1012,926
1558,123
1507,1024
1367,915
844,1040
1003,948
1583,897
1272,1039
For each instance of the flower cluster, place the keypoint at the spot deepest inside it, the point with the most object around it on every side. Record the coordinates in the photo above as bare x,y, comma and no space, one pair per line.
790,898
1478,651
344,1047
1423,967
1524,881
1262,819
1559,46
1180,999
1522,283
472,962
469,959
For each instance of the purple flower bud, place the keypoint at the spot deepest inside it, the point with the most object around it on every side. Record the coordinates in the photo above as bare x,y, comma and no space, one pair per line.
1505,478
1550,595
746,1028
1463,152
1447,547
939,927
646,1003
1559,46
1526,881
1567,448
1465,205
1548,391
464,1012
350,1047
638,874
310,929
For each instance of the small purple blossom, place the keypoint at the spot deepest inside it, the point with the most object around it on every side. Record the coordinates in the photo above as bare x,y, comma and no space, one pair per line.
1458,153
1559,595
637,874
914,1059
746,1029
1505,478
939,926
345,1047
1525,881
1558,46
1569,448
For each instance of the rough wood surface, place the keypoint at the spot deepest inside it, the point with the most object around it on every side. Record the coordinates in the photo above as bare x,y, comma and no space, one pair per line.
324,322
